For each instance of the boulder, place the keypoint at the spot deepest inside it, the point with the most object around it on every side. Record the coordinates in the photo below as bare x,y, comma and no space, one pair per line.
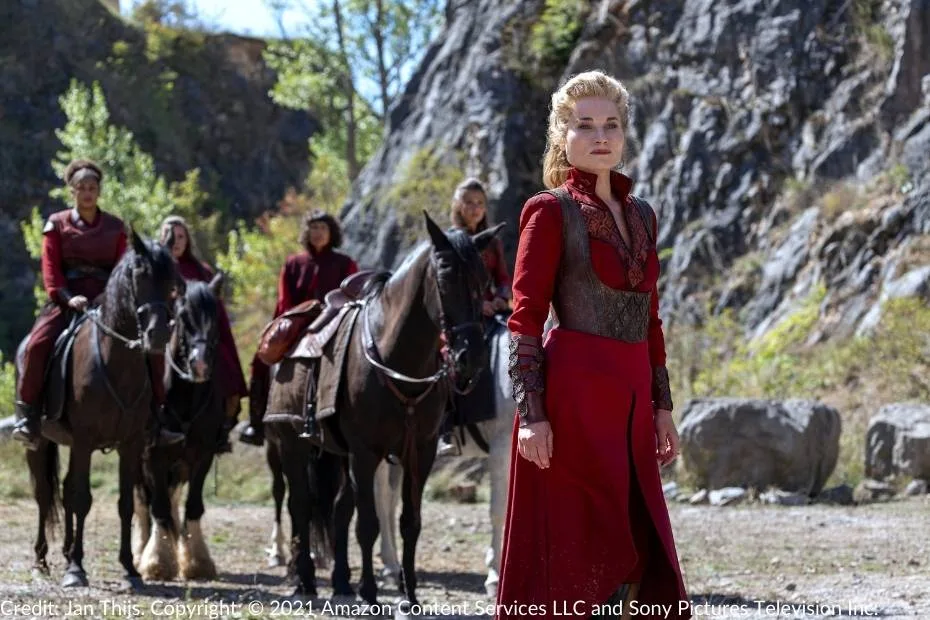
898,442
792,445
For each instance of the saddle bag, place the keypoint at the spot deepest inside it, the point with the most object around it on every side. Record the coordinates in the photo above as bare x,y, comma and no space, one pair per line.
281,333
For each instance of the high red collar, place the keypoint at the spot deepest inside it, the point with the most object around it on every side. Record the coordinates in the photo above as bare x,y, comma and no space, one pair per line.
586,182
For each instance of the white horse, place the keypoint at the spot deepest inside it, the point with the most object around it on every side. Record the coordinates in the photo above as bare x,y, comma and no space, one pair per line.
496,434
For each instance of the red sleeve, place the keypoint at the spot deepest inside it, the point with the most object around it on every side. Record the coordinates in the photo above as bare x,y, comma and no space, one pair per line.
121,243
352,268
53,278
656,336
501,275
538,254
284,293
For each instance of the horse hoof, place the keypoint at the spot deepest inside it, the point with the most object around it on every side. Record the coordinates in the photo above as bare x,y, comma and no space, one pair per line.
132,583
303,593
74,579
274,561
343,589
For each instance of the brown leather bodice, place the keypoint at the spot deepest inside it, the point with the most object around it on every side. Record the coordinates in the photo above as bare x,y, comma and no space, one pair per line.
582,302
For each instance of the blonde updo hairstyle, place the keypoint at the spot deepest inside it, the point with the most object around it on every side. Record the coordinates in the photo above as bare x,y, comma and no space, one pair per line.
581,86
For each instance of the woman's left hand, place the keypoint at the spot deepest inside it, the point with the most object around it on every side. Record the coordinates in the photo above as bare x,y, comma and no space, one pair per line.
500,304
666,437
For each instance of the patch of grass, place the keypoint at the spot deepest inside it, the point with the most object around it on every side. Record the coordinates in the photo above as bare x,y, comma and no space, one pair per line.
426,183
553,37
241,477
843,197
866,21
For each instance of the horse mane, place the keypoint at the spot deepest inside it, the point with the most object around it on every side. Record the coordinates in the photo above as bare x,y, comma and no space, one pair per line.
375,284
117,302
200,299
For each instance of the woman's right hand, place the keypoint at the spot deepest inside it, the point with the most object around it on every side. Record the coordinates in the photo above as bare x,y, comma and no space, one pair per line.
534,443
78,302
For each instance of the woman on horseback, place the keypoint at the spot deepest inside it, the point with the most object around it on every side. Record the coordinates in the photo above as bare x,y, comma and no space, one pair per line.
470,213
587,522
80,247
305,276
175,235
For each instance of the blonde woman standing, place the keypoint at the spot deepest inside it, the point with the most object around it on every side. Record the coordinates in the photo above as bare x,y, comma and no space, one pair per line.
587,522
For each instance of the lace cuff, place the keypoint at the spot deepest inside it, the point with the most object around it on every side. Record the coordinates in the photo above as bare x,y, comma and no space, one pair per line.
526,370
661,390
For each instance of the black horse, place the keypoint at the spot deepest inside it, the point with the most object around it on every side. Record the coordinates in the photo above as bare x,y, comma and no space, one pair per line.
108,403
193,406
391,401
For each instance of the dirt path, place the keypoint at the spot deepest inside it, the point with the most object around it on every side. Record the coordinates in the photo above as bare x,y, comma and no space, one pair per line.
871,558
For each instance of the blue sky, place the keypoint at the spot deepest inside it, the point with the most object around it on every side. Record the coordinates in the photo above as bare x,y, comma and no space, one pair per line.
247,17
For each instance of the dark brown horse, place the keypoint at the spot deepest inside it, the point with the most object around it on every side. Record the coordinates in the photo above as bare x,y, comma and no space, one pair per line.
194,407
108,403
391,402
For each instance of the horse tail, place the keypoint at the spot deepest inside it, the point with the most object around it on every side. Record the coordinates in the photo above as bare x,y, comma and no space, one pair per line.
325,481
43,469
51,476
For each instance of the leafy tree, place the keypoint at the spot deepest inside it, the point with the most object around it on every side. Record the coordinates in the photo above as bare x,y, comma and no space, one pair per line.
132,190
348,67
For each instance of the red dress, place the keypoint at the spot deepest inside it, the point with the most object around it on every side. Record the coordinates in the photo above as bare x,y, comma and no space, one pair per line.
589,523
494,261
231,381
77,257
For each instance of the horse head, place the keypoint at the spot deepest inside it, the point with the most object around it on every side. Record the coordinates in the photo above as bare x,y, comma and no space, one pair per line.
152,283
461,280
196,331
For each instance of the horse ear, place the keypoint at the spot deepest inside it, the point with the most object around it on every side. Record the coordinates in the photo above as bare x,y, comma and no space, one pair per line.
439,239
216,284
483,239
137,243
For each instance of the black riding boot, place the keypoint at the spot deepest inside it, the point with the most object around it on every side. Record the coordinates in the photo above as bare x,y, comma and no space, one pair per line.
28,428
254,433
618,605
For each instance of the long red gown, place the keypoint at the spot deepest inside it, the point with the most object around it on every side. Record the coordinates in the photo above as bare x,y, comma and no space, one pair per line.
578,530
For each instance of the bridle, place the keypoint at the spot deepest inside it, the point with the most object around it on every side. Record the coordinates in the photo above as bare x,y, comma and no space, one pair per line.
182,337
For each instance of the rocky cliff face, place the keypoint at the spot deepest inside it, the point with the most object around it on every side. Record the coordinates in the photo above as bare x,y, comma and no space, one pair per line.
783,143
192,100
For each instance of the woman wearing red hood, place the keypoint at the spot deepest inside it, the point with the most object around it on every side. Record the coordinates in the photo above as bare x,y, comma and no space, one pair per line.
230,382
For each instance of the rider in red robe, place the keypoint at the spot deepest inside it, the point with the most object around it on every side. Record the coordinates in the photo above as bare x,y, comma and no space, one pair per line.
230,382
587,522
80,247
305,276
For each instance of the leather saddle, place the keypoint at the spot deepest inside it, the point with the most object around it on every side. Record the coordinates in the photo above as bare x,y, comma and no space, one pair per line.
318,334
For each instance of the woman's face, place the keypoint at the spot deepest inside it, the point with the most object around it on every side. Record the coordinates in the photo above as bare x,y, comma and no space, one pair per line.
594,141
474,207
85,194
180,241
319,235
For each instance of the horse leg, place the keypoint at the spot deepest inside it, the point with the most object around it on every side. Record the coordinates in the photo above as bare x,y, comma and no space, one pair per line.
276,554
387,490
499,469
159,560
366,526
143,522
81,500
129,465
296,463
43,467
415,475
343,508
194,556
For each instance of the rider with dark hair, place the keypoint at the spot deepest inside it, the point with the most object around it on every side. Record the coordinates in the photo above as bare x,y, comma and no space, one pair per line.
305,276
80,247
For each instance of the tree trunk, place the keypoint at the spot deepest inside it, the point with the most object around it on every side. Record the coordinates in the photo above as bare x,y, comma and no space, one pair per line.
349,89
382,68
